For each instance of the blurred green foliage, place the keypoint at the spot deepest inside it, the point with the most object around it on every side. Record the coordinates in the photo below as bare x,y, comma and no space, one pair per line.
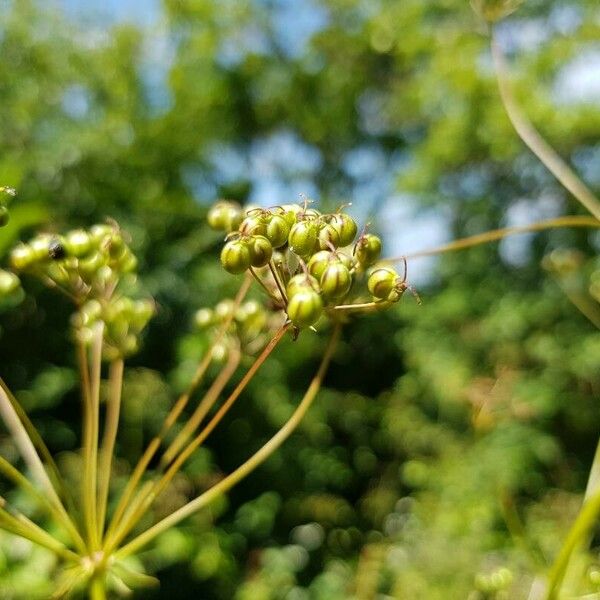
452,439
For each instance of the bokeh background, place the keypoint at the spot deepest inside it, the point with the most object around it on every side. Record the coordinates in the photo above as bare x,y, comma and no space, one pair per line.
452,439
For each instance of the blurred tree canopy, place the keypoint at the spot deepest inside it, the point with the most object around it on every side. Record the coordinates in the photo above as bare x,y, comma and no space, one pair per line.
462,444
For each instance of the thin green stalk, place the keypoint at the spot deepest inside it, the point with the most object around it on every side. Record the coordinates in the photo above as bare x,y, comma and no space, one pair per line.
278,283
98,587
113,410
580,529
39,445
146,500
33,461
90,437
262,284
366,306
211,396
21,481
245,469
173,415
534,141
498,234
25,528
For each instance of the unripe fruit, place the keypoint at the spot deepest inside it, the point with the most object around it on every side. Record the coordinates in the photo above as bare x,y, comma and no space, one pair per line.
368,249
328,236
4,216
305,307
40,246
235,257
318,262
100,232
203,318
225,216
89,266
335,281
78,243
127,262
22,257
254,225
311,213
278,230
303,238
260,250
382,282
9,283
224,309
301,282
346,227
143,310
346,260
290,213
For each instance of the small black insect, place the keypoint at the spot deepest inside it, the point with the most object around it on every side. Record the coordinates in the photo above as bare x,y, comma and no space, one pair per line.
56,250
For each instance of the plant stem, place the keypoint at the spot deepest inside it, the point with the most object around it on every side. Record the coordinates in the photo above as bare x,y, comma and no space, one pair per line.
534,141
583,523
90,434
273,270
146,501
173,415
33,461
363,306
98,587
23,527
61,517
498,234
38,444
246,468
261,283
205,405
113,410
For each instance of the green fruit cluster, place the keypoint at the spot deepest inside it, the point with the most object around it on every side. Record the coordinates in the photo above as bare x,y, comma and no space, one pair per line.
124,319
84,263
248,325
316,257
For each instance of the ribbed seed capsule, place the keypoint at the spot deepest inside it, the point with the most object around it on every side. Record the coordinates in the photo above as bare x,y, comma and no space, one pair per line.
368,249
300,282
328,236
346,260
260,250
305,307
346,227
224,215
318,262
235,257
303,238
382,282
253,225
290,213
4,216
278,230
335,281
